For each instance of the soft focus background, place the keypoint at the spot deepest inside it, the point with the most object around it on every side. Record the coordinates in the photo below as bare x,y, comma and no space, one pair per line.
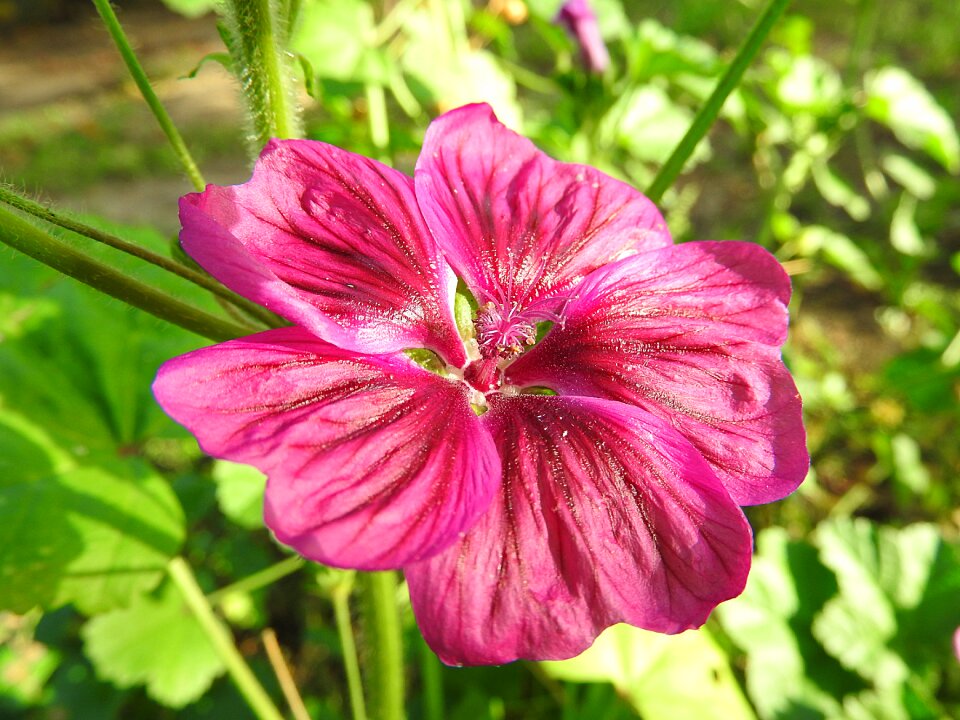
839,153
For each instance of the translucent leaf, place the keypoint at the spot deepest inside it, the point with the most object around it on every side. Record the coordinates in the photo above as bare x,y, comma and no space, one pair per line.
917,181
156,642
93,531
240,493
904,234
786,669
449,78
842,252
333,35
809,84
888,580
901,102
649,124
838,192
192,8
664,677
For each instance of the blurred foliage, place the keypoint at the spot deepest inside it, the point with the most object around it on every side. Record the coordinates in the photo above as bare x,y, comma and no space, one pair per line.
838,152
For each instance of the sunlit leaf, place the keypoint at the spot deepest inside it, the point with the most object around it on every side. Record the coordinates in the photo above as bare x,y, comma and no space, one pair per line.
904,234
902,103
786,669
240,493
678,677
156,642
91,530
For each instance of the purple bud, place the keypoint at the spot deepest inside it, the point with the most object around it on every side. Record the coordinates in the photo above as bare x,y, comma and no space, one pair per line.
581,22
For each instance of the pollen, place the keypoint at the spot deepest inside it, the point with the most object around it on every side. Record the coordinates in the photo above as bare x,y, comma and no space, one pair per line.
503,331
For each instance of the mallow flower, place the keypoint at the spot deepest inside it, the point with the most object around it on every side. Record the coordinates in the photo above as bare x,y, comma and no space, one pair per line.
579,461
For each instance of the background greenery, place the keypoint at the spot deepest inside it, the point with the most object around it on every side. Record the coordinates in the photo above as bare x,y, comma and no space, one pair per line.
838,152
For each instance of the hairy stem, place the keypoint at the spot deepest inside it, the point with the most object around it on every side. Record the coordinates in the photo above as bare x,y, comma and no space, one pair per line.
259,31
140,78
30,240
711,108
222,641
117,243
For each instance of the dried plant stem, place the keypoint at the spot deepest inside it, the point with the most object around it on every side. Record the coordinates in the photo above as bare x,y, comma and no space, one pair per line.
280,669
143,83
711,108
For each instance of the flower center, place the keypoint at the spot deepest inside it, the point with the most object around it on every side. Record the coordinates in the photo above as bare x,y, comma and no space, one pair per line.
503,331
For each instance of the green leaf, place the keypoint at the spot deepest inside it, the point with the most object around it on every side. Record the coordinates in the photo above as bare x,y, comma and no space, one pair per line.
333,35
92,530
808,84
884,576
901,102
648,123
917,181
192,8
904,234
240,493
838,192
842,252
787,672
83,516
665,677
156,642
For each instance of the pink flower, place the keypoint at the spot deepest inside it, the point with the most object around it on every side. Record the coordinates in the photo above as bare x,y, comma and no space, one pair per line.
525,530
581,22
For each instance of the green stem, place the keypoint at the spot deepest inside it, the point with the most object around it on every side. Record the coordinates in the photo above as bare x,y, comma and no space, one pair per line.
23,236
385,639
432,683
340,597
711,109
259,579
205,281
140,78
222,641
258,50
379,123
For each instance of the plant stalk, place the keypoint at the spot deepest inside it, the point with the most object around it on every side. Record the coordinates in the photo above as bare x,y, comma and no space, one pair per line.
340,598
23,236
711,108
263,65
143,83
385,673
222,641
117,243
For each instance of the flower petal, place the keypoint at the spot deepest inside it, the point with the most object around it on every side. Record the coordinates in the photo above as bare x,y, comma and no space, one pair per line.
371,462
605,515
516,225
689,333
334,242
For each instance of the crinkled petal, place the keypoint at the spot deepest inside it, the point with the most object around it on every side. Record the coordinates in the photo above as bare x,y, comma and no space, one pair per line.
332,241
690,333
605,515
372,462
519,227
